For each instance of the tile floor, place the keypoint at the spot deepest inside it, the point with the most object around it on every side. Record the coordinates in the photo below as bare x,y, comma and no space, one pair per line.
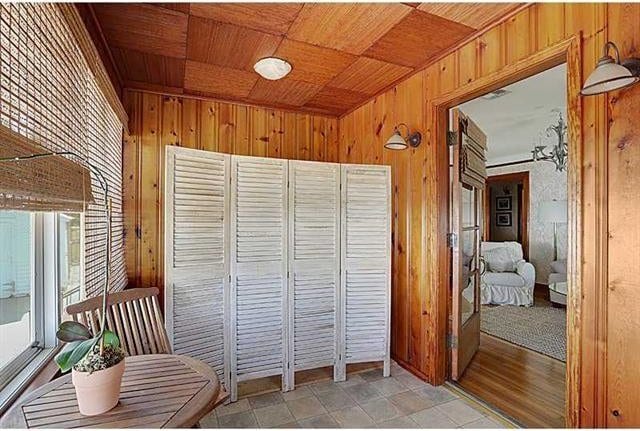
365,400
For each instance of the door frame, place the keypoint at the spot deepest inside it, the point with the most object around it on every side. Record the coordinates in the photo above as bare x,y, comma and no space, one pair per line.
523,210
567,51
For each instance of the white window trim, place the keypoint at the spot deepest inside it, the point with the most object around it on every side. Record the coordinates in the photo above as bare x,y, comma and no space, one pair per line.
45,305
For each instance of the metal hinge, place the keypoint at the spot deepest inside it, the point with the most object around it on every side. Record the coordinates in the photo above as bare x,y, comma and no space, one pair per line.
452,341
452,138
452,239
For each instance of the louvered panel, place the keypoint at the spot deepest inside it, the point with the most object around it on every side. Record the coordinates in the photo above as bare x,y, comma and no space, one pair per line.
258,268
196,261
314,262
366,263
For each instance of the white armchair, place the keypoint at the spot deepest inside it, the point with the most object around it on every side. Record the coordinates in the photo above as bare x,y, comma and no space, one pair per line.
507,277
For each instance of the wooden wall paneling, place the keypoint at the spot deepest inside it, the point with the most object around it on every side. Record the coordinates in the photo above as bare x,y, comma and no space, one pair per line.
333,143
226,128
149,192
518,36
623,158
289,136
242,134
319,141
259,132
467,63
131,188
209,125
492,50
550,24
275,133
190,126
303,136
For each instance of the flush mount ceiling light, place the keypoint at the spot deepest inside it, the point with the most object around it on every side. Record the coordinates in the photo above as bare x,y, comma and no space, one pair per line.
272,68
397,142
610,74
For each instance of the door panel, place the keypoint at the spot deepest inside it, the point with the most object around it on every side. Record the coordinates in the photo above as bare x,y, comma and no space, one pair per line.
467,188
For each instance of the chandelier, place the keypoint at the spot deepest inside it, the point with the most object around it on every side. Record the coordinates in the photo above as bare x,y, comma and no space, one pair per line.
558,153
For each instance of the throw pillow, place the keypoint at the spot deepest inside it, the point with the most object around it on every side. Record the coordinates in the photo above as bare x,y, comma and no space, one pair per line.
499,260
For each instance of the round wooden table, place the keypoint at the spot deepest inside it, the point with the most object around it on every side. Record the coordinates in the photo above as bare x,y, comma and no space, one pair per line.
158,391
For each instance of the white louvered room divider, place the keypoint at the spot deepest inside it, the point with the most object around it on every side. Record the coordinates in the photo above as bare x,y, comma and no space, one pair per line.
196,257
366,263
314,264
275,266
258,269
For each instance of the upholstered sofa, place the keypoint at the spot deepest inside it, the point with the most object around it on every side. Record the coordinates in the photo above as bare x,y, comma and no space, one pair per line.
507,278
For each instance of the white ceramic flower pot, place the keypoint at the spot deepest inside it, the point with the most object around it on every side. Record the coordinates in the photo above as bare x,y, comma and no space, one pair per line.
98,392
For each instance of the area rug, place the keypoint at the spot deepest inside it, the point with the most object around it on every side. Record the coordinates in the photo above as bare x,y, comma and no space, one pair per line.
539,328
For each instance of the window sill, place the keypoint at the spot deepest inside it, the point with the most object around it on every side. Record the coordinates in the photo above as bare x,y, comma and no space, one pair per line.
37,372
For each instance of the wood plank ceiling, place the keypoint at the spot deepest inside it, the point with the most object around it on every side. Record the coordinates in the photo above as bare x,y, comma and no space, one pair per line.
342,54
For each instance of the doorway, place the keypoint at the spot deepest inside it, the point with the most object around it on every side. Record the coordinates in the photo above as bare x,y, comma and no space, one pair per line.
508,346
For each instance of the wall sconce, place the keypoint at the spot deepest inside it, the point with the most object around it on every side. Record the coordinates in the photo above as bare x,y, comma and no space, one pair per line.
611,74
397,142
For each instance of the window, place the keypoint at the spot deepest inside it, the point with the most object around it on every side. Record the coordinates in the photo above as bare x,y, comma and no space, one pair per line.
40,273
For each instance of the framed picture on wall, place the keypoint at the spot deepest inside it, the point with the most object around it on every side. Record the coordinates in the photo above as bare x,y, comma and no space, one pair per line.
503,219
503,203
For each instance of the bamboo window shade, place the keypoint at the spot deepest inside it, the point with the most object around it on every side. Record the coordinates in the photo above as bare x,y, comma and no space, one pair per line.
50,100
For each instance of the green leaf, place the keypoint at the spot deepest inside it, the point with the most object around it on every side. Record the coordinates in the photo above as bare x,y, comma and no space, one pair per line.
80,351
62,358
111,339
72,331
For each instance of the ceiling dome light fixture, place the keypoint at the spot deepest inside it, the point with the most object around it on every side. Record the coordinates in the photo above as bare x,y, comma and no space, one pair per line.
272,68
397,142
610,74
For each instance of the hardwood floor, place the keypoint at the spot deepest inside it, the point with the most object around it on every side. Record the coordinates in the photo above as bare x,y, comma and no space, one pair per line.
524,385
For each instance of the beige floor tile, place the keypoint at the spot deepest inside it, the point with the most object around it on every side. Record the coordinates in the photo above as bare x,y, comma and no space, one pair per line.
271,416
362,393
238,420
410,381
402,422
372,375
266,400
352,379
322,421
485,423
437,394
353,417
460,412
432,418
335,400
388,386
209,421
307,407
237,407
326,386
299,392
410,402
287,425
381,410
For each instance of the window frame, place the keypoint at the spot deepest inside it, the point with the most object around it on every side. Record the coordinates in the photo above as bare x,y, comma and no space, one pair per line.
46,306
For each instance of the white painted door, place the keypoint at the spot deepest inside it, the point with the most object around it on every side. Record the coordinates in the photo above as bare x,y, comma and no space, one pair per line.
196,256
314,264
258,269
366,263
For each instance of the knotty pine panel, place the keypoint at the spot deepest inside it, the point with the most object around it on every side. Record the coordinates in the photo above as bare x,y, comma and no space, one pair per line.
610,331
159,120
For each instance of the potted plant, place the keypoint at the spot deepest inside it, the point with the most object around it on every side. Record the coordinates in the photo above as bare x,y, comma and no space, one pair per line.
97,364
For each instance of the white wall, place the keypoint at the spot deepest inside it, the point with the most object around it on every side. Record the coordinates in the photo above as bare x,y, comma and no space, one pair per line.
545,184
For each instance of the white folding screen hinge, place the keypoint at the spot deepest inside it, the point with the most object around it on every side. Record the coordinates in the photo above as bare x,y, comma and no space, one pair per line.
452,239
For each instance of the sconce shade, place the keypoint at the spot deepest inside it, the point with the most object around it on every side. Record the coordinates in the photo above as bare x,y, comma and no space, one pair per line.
554,211
396,142
608,75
